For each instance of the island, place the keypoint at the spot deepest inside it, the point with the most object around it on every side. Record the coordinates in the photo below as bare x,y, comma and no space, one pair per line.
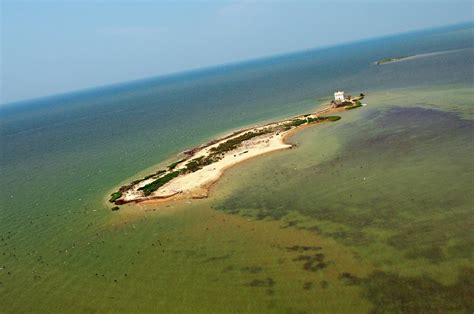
197,169
415,56
390,60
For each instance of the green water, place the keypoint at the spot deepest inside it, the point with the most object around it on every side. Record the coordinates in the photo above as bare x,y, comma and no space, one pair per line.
371,213
405,225
392,183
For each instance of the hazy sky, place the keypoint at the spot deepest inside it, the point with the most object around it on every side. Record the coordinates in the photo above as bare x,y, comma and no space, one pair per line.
56,47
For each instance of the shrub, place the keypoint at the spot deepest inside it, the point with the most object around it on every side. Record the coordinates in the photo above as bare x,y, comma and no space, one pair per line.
115,196
356,105
332,118
153,186
296,122
317,119
234,142
174,164
198,163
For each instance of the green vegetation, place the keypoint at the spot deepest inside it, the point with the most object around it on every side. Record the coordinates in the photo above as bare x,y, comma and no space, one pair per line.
217,152
153,186
115,208
321,119
387,60
233,143
151,175
115,196
298,122
295,123
317,119
356,105
332,118
174,164
198,163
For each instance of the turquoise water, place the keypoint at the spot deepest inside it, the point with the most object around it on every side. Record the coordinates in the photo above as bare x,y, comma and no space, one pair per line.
62,155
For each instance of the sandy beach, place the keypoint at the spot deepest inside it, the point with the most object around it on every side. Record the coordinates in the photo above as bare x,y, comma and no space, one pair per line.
195,184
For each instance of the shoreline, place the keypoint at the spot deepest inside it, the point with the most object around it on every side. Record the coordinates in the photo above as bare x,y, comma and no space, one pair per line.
199,168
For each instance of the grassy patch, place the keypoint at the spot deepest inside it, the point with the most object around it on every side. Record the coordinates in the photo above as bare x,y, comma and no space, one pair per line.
218,151
296,122
316,119
174,164
332,118
159,172
153,186
115,196
198,163
387,60
356,105
233,143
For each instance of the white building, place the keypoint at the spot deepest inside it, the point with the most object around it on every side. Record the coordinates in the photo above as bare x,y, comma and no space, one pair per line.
339,96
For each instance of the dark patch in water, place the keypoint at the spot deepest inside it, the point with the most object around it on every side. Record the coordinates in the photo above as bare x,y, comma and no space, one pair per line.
352,237
324,284
314,229
308,285
349,279
399,137
402,179
400,130
269,282
433,253
270,291
302,248
228,268
252,269
312,262
217,258
392,293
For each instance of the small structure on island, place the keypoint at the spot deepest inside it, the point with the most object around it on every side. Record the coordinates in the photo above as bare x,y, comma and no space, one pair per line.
339,96
340,100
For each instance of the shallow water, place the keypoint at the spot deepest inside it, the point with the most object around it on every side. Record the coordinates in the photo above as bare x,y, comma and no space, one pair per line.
391,183
297,230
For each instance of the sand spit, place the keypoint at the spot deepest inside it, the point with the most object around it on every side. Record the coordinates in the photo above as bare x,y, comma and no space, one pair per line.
192,176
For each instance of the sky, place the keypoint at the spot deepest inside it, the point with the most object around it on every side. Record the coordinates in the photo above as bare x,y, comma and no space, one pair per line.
55,47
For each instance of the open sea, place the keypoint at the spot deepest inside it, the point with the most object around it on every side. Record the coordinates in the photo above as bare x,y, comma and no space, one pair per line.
373,213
